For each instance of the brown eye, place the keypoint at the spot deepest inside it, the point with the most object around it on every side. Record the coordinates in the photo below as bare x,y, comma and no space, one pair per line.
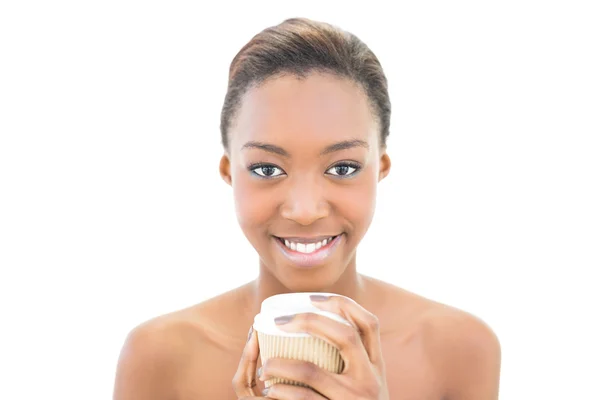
266,171
343,170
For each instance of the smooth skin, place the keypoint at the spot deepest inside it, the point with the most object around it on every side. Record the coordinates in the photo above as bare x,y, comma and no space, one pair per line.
304,161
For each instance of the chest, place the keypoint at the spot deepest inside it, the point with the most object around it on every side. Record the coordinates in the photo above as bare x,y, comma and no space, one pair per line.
409,373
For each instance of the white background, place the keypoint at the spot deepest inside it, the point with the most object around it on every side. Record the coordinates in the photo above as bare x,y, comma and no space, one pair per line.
112,210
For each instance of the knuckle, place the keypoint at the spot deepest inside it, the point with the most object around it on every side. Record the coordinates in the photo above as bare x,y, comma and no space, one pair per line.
240,383
309,373
373,322
343,303
338,300
311,316
307,320
251,384
350,338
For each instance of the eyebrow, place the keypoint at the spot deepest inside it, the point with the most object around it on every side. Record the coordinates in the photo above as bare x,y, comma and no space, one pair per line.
344,145
271,148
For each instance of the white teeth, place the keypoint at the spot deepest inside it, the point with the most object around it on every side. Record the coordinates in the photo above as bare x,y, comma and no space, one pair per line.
307,248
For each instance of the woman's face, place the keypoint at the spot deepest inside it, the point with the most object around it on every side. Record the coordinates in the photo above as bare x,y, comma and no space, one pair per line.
304,162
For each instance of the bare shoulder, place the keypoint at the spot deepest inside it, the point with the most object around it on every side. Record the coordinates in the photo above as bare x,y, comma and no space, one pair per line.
459,332
151,357
158,352
467,350
463,348
441,323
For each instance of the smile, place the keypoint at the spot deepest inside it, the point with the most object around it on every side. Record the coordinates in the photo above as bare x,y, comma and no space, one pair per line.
306,246
305,252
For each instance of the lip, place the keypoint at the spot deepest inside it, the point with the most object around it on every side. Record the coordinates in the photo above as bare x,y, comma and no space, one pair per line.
313,239
303,260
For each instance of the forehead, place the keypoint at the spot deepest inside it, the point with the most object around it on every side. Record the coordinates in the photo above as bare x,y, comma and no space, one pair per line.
321,107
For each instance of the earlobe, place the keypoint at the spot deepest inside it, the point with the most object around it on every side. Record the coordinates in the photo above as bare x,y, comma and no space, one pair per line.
384,166
225,169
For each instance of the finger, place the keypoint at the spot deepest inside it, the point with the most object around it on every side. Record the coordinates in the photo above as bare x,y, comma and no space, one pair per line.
244,380
366,322
344,337
281,391
305,372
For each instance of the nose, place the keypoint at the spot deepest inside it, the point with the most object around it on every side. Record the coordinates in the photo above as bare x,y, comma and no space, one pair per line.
305,202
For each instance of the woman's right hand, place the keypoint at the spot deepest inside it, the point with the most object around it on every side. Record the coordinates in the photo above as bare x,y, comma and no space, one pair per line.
245,381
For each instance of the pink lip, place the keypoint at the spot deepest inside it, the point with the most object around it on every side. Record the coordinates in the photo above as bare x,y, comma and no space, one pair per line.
309,260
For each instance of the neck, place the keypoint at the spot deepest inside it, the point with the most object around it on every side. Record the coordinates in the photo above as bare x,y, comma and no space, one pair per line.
350,284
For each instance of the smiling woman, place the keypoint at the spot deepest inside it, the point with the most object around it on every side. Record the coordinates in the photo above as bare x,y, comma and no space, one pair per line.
304,127
304,158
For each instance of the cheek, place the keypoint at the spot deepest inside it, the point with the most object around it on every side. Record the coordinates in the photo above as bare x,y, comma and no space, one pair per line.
253,206
357,202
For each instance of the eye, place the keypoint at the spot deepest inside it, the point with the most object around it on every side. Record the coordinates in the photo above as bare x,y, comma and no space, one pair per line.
266,170
343,170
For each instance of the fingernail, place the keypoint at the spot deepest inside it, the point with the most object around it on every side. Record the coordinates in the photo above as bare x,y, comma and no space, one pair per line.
264,392
284,319
259,372
250,333
318,297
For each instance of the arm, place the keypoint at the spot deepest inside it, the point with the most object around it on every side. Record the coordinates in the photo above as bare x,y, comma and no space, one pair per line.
147,364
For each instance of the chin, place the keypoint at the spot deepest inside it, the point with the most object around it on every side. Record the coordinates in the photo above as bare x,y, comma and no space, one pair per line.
312,280
315,272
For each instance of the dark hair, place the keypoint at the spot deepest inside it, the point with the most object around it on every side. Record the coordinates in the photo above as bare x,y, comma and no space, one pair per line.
299,46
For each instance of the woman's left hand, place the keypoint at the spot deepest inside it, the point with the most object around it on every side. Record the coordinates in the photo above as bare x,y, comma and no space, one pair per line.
363,377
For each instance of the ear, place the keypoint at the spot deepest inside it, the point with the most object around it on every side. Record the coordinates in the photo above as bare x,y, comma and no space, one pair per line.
225,169
384,165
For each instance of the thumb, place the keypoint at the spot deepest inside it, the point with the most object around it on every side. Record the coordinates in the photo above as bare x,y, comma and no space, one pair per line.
244,380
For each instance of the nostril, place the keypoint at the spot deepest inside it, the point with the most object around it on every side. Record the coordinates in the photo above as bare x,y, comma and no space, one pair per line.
303,213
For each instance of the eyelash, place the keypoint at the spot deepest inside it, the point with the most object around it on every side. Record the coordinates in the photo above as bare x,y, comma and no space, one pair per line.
357,167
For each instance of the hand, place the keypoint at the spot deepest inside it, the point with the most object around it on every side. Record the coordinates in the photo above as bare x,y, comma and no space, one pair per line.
244,381
363,377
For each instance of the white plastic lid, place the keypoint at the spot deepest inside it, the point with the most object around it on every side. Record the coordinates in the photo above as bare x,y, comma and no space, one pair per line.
288,304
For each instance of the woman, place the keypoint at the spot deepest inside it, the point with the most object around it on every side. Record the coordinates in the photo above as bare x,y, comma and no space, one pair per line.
304,128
